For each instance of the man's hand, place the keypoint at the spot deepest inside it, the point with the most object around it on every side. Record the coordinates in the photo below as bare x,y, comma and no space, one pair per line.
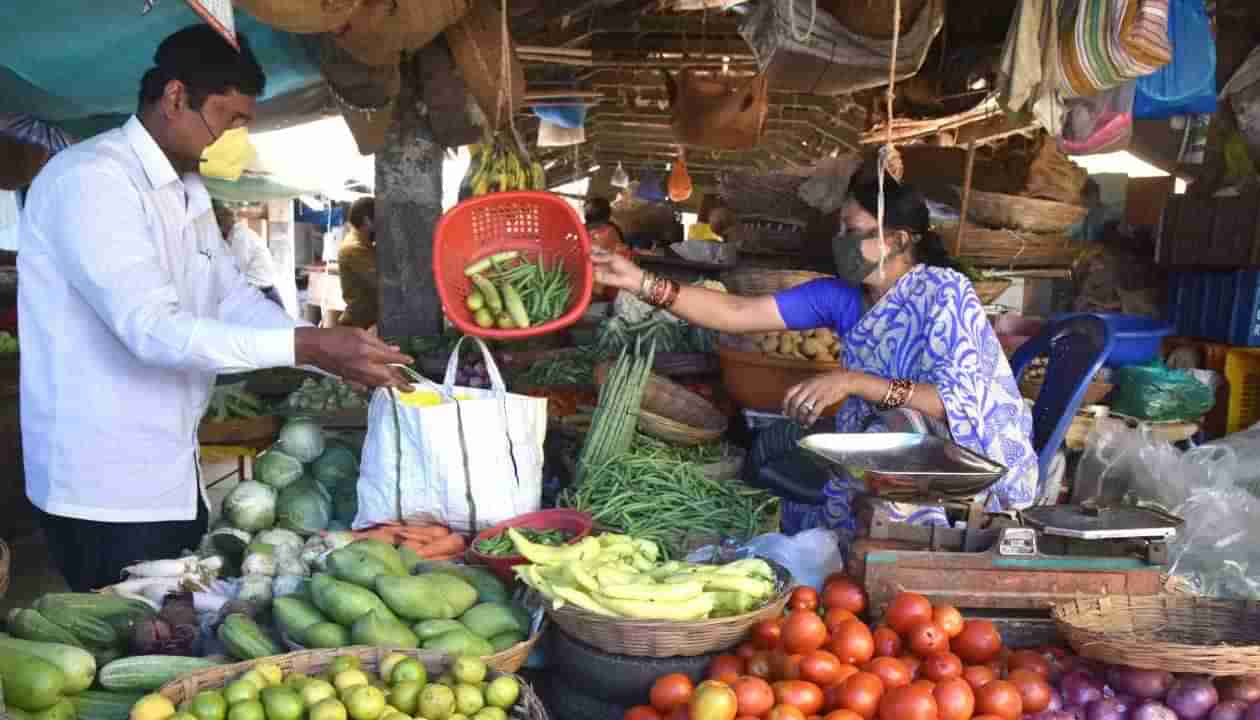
616,271
355,355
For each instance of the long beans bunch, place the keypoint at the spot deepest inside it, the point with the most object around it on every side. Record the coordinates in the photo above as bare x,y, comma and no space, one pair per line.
661,499
617,414
545,291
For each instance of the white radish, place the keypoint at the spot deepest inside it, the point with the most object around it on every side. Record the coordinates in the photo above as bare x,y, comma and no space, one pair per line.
162,568
208,602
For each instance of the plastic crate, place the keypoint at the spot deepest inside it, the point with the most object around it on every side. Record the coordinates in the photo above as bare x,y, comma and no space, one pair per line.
1242,371
1220,306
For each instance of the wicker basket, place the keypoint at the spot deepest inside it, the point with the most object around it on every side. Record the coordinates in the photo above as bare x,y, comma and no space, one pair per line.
508,661
672,413
758,281
990,290
313,662
668,638
1176,633
6,559
1022,213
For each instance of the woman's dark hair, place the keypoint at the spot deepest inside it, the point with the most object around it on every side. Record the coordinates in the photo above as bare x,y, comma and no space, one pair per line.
200,58
598,210
361,211
905,209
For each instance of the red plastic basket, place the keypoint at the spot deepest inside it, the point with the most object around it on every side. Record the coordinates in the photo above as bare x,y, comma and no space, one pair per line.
538,223
574,521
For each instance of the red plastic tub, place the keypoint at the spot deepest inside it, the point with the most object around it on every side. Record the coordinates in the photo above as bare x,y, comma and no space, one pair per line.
578,523
537,223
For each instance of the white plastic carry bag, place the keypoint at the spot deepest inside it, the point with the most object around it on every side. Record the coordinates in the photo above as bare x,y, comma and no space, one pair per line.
470,462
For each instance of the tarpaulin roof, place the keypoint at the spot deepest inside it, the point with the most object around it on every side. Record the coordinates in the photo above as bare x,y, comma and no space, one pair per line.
78,63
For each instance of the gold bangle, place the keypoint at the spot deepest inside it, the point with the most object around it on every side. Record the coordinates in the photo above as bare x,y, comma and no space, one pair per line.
899,393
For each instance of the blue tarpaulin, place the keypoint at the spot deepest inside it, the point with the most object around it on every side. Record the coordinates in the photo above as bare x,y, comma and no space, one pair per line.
78,63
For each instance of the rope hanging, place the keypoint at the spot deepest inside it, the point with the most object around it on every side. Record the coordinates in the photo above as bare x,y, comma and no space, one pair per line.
889,159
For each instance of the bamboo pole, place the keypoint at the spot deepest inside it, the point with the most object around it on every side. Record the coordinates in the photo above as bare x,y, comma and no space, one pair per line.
966,199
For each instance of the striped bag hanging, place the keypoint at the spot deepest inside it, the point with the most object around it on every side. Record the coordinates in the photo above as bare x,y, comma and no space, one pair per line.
1105,43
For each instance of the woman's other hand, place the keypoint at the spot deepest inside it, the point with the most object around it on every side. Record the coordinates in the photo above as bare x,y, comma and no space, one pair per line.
616,271
806,401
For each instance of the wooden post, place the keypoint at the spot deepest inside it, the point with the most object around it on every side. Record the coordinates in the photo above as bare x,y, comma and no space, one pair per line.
408,206
966,199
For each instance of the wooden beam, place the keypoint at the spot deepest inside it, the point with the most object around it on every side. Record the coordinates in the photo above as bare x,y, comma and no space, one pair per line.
691,24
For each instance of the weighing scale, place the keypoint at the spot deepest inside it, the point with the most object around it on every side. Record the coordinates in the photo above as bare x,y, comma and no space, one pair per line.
1010,566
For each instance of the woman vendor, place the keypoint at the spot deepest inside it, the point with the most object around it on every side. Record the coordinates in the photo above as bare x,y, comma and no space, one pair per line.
918,352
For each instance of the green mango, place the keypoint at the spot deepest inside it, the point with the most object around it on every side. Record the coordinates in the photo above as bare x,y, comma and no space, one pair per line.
490,619
355,566
326,635
489,588
382,551
506,640
460,642
293,615
380,631
428,597
344,602
429,629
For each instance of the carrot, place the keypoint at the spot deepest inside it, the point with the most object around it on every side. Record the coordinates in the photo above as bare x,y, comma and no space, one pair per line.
425,533
450,545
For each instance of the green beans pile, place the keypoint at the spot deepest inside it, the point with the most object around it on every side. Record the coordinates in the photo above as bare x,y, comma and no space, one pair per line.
576,368
544,291
501,545
706,454
617,414
660,499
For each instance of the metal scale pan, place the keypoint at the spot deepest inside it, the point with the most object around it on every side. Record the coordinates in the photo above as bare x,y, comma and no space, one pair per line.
905,467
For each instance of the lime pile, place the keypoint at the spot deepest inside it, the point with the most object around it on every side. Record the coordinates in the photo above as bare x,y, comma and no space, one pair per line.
402,691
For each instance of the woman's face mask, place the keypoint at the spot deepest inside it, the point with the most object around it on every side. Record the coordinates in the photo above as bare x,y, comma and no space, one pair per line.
846,249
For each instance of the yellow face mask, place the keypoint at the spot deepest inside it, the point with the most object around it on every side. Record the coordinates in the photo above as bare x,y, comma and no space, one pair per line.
228,157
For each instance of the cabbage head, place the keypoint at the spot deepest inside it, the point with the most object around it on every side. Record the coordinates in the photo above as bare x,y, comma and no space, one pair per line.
277,469
302,438
304,507
337,465
251,506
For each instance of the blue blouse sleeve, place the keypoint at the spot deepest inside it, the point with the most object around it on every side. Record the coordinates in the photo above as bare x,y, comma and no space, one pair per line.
826,302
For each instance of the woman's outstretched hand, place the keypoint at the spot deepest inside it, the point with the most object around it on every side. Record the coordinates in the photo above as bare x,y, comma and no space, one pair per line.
616,271
806,401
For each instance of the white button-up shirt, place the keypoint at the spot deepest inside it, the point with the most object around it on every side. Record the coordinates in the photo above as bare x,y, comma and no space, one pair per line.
252,255
130,305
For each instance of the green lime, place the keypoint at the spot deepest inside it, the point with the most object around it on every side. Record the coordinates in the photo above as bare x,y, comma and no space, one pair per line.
345,662
257,678
181,715
469,670
409,669
248,710
282,704
316,691
270,672
503,692
437,702
208,705
330,709
406,696
347,679
490,712
365,702
239,691
468,699
388,664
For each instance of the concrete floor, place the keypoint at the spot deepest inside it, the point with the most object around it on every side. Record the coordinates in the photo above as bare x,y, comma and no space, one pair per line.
31,571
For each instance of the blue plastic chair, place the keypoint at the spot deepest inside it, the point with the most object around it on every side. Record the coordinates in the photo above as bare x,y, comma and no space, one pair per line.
1077,347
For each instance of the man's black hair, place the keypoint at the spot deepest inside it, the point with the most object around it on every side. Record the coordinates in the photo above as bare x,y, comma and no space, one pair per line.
361,211
598,210
200,58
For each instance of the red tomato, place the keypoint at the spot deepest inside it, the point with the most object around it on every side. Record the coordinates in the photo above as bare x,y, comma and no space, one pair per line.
682,712
852,642
821,668
1034,691
803,632
923,685
671,691
912,663
726,668
942,666
761,665
1000,698
834,616
906,611
804,696
948,617
861,694
977,676
1029,660
843,592
803,598
978,643
713,701
641,712
755,696
842,715
785,712
927,638
746,650
892,672
767,633
887,642
955,700
785,667
907,703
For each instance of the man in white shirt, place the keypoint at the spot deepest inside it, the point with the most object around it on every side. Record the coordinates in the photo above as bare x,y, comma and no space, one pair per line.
131,305
251,253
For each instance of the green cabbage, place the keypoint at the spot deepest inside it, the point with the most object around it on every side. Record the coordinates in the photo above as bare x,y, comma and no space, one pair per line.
304,507
337,464
303,439
251,506
277,469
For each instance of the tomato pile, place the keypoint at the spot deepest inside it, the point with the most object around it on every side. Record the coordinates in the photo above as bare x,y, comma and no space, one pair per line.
821,662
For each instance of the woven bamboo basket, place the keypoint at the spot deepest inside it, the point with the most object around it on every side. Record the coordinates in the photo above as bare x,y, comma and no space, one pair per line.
313,662
668,638
672,413
1176,633
990,290
999,210
758,281
508,661
6,559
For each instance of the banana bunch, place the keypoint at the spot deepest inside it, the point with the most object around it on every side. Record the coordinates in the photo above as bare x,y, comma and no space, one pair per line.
498,167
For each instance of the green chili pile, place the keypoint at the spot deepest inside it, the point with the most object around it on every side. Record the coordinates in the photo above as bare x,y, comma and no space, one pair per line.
501,545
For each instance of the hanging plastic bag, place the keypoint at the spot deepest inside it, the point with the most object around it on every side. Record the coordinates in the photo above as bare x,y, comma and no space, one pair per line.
620,178
680,181
1100,123
1187,85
